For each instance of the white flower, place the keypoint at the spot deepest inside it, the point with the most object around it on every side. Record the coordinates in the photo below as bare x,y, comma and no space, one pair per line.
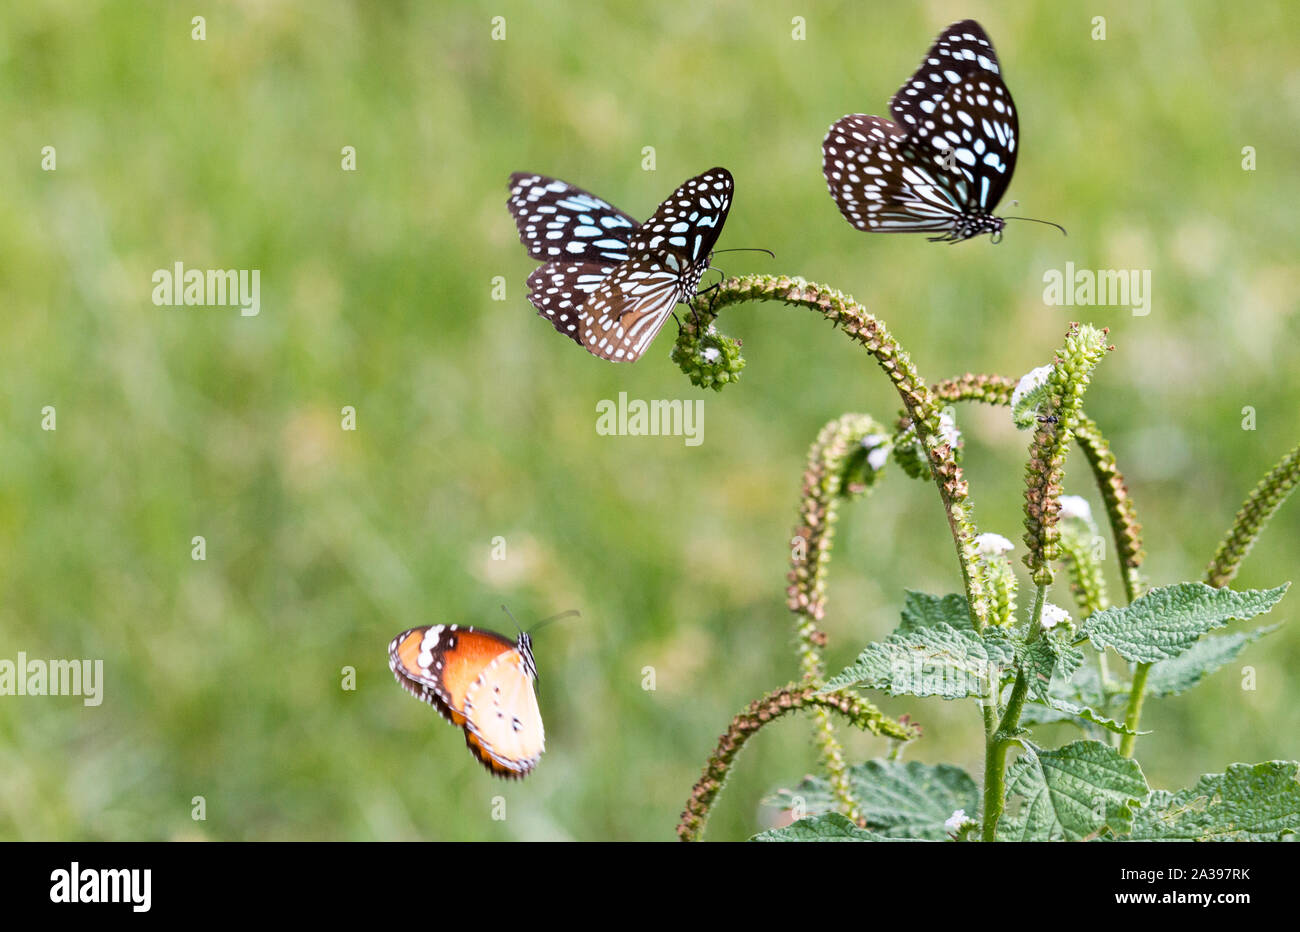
948,431
711,353
877,447
1074,506
1034,380
957,820
992,545
1053,616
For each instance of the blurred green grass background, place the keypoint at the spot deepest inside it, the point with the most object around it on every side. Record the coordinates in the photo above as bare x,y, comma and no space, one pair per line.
476,420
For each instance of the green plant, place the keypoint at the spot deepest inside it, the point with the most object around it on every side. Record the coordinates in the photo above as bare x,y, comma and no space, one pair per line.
1019,669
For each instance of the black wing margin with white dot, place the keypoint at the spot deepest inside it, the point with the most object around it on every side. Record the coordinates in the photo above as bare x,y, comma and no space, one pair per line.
558,221
959,50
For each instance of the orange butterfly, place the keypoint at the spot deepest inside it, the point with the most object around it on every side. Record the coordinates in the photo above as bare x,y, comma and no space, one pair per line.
483,682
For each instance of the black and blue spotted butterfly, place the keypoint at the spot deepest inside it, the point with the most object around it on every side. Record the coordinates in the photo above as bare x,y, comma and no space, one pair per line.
944,163
609,283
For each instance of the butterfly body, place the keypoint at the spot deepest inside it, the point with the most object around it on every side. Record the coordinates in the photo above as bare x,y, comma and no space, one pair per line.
480,681
944,162
610,283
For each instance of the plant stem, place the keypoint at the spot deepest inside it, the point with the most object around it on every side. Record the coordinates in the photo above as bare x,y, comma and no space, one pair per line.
824,485
1133,713
998,743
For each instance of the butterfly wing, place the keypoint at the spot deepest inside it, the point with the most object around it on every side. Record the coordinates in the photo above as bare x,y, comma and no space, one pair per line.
961,49
629,307
690,221
478,680
880,181
416,659
669,253
559,221
974,129
503,722
559,289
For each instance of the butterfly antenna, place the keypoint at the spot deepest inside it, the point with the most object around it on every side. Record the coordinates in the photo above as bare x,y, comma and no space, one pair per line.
747,249
544,621
1047,222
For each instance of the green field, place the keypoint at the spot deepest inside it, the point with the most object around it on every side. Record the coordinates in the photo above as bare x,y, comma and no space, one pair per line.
475,420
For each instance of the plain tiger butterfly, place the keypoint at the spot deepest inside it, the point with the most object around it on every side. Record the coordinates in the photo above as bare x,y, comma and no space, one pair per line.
481,681
610,283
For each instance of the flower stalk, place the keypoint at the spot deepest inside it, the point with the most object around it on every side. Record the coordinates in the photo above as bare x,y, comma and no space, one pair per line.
839,466
761,712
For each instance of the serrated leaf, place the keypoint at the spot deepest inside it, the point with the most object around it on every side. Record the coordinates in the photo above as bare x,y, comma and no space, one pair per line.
936,661
1072,792
1167,621
898,800
1247,802
922,610
831,826
1181,673
1046,660
1048,664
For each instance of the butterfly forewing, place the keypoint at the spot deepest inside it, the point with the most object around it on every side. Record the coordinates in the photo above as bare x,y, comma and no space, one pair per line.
557,221
959,50
690,220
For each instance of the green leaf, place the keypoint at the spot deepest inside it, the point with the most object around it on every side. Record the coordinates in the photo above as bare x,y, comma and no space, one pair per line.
1031,391
831,826
1248,802
1073,792
921,610
1179,674
1044,661
898,800
1166,622
1047,665
936,661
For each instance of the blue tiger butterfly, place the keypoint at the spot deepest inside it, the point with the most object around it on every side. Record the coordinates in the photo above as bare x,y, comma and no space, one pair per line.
947,158
608,282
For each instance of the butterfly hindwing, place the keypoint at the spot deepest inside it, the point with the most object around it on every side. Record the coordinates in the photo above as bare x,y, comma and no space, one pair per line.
875,183
625,312
559,289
